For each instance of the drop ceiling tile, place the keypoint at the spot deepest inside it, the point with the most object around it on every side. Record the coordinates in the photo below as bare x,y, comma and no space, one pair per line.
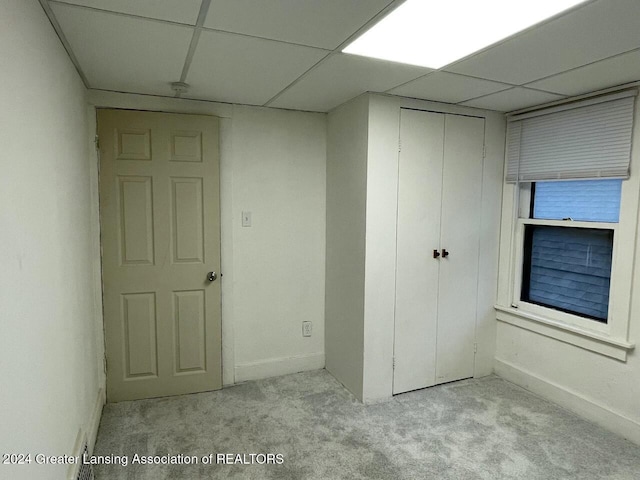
318,23
513,99
606,73
182,11
124,53
237,69
592,32
448,87
342,77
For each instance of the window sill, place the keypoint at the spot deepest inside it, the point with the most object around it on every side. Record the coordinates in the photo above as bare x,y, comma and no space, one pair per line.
596,342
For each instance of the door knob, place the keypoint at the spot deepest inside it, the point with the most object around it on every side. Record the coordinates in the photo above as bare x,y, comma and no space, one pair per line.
436,253
211,276
445,254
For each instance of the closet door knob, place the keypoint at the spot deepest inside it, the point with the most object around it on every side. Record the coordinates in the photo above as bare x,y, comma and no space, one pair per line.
445,254
436,254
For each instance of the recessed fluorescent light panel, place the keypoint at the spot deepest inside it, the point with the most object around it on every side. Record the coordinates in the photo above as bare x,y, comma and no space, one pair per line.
434,33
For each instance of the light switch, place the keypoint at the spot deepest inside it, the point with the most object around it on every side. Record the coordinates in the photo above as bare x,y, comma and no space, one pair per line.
246,219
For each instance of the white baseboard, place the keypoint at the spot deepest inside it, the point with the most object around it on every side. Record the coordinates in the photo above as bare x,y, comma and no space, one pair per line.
278,366
571,400
88,434
94,422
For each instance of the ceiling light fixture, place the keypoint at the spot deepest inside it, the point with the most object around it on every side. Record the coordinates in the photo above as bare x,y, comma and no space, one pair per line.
180,87
435,33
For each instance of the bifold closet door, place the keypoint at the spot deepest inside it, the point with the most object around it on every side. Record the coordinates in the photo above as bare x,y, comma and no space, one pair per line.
439,199
460,236
418,233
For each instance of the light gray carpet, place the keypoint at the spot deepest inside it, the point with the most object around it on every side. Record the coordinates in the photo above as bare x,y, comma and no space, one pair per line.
474,429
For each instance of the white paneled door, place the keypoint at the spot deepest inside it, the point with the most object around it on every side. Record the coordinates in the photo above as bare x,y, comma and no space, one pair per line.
160,231
438,227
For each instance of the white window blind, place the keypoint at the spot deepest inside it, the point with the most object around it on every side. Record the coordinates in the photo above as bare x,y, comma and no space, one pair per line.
590,139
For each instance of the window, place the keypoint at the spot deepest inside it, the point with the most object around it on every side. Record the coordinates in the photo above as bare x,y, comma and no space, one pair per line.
570,218
567,267
584,200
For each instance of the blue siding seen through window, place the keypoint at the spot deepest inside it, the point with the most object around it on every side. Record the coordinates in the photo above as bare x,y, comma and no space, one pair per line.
580,200
569,269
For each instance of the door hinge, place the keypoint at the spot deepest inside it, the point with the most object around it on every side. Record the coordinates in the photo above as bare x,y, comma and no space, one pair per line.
97,142
475,348
394,363
399,145
105,364
484,152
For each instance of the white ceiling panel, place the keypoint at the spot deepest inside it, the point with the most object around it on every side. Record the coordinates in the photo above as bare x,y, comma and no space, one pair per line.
448,87
124,53
182,11
513,99
342,77
318,23
593,32
233,68
606,73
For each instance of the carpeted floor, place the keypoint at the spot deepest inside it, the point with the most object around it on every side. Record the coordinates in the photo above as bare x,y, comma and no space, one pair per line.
474,429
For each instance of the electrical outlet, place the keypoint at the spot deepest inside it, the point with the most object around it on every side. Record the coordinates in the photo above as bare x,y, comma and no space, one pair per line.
306,329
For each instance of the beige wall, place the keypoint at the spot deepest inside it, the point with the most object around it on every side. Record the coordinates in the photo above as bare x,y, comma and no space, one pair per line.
272,163
278,168
346,199
50,336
